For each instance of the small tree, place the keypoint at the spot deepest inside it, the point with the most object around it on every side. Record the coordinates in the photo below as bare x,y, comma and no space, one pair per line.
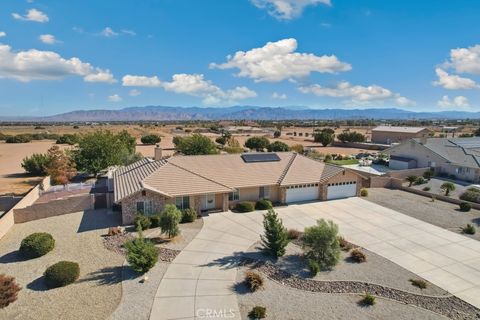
60,167
298,148
141,254
151,139
411,180
321,243
169,220
447,187
324,137
257,143
277,134
195,144
277,146
275,238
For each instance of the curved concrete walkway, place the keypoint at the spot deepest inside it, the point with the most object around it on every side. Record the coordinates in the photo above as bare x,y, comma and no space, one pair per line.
200,282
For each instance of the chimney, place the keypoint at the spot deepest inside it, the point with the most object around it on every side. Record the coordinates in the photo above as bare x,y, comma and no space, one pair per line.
158,152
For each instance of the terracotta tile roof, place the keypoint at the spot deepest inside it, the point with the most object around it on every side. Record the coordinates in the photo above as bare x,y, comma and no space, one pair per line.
190,175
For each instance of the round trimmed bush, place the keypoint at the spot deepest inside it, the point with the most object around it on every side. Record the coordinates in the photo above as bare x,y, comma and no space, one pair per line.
245,206
363,192
154,221
36,245
465,206
189,215
61,274
263,204
258,312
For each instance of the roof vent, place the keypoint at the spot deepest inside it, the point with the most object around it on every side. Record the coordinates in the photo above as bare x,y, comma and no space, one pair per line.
260,157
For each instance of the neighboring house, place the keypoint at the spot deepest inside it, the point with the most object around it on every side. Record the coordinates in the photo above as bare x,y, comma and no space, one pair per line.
459,157
218,182
389,134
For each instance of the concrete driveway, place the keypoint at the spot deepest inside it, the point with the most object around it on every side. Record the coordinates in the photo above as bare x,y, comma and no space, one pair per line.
199,284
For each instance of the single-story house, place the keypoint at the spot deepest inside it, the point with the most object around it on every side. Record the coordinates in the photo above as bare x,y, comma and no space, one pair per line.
218,182
391,134
459,157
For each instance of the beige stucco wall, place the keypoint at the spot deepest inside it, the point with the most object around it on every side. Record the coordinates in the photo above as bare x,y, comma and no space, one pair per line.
386,137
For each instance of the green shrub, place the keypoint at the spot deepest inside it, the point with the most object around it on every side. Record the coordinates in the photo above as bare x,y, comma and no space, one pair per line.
428,174
21,138
142,222
321,243
313,267
471,195
150,139
189,215
155,221
368,300
465,206
358,256
275,239
36,164
69,139
61,274
253,280
141,254
420,180
473,189
364,192
36,245
422,284
447,187
427,188
469,229
244,206
258,312
263,204
8,290
293,234
169,220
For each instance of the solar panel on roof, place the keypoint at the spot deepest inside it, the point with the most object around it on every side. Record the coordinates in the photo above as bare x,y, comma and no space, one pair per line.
260,157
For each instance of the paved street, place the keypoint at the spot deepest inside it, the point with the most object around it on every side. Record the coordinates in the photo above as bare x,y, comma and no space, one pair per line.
201,279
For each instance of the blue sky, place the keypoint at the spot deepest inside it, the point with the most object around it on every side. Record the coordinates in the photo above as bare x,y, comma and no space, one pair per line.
58,56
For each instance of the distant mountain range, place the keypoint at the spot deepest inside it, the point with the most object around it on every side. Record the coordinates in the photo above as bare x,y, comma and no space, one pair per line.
163,113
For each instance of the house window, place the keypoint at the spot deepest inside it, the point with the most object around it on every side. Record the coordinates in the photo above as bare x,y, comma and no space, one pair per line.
145,207
182,202
264,193
234,196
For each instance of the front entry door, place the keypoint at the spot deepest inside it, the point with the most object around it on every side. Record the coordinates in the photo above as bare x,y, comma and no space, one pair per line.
209,201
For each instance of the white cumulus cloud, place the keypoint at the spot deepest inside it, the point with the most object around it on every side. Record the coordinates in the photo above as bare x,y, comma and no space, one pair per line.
279,96
35,64
287,9
108,32
277,61
32,15
3,34
453,82
357,94
114,98
48,38
465,60
459,101
134,93
140,81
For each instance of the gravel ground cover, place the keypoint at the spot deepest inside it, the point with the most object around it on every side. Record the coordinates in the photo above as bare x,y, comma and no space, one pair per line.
442,214
137,295
283,302
376,269
435,184
78,237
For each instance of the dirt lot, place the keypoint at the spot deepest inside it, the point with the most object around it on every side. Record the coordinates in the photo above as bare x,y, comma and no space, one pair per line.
443,214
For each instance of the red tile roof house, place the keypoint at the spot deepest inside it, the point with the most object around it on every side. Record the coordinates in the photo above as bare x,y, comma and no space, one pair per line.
218,182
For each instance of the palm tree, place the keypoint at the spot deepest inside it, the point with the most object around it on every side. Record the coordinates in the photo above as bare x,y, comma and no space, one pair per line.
411,180
447,187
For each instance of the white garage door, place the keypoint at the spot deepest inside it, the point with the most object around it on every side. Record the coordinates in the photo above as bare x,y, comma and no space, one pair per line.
341,190
303,192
